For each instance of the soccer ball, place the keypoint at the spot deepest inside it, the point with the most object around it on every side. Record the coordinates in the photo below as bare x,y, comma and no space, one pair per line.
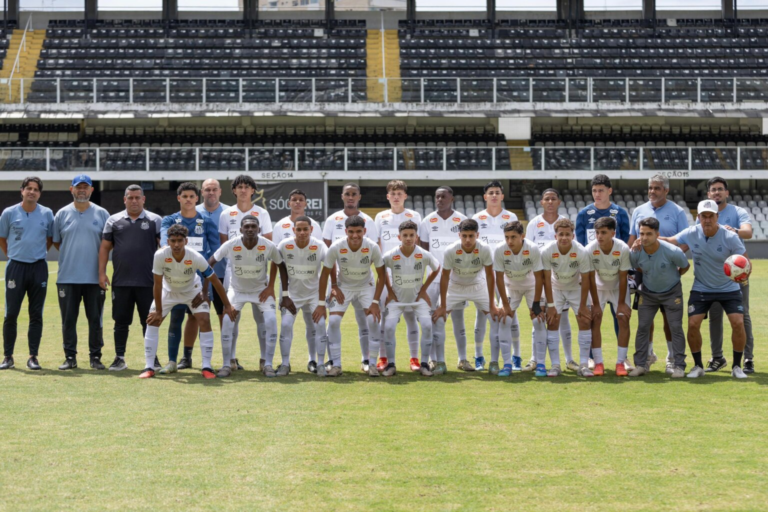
737,268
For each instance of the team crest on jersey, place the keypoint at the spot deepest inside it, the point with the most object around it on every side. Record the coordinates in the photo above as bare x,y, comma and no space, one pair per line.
396,257
365,250
476,261
596,252
433,220
312,247
343,251
11,284
168,260
614,212
573,255
540,225
286,226
418,256
145,225
289,247
526,253
187,262
616,253
365,261
507,253
261,247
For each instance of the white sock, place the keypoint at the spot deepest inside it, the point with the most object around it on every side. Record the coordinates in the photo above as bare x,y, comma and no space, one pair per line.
540,342
362,332
533,342
412,328
553,344
206,348
650,347
235,333
481,321
565,335
334,339
585,343
261,332
311,333
151,341
390,340
670,352
514,330
374,340
383,349
227,327
438,340
622,355
426,337
321,341
286,335
496,336
597,355
270,327
460,333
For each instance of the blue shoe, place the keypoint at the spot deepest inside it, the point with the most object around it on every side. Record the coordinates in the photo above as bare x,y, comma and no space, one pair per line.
479,364
541,371
517,364
506,371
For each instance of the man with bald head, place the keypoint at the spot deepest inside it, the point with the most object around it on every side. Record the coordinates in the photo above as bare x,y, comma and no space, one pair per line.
211,208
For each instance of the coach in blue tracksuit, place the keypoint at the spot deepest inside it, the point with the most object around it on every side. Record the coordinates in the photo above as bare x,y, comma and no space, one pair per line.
736,220
602,207
26,234
203,238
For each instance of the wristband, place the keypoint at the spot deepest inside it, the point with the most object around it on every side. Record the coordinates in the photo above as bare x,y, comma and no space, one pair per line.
374,301
286,293
550,304
536,308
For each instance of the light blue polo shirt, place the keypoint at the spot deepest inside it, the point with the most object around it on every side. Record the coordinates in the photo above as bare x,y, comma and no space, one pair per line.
27,233
671,217
80,238
709,254
733,216
660,272
221,266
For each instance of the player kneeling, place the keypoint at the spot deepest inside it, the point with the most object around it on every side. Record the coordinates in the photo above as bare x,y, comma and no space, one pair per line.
354,256
519,273
175,271
463,280
610,265
248,255
567,285
303,257
408,292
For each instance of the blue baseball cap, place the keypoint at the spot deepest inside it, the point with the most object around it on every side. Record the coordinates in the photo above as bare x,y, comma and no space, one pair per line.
81,178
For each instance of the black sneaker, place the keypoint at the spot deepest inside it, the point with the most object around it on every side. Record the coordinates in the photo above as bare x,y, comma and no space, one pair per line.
96,364
70,363
328,365
716,364
32,364
749,366
157,366
118,365
184,364
7,363
238,365
312,367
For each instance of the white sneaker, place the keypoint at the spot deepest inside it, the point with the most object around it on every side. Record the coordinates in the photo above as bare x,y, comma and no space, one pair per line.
628,366
424,371
591,364
738,373
335,371
365,367
321,370
531,366
676,373
639,371
670,368
571,365
283,370
586,371
697,372
652,359
269,371
555,371
373,371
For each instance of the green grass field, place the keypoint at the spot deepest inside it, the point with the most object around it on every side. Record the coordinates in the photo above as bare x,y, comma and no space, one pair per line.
89,440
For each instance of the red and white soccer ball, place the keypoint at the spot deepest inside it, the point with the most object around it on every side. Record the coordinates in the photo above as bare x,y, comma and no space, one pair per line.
737,268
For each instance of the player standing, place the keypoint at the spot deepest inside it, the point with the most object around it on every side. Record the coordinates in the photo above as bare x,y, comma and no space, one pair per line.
519,273
249,283
388,224
610,267
439,230
297,202
303,257
175,270
491,223
567,286
408,292
211,208
353,255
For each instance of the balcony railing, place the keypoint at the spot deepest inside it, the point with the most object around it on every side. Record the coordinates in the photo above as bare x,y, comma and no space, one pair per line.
383,90
420,158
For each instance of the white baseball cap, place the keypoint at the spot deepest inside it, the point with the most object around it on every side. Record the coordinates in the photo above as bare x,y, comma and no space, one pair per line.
707,205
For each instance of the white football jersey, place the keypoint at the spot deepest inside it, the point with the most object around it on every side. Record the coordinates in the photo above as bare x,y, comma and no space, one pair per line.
354,266
249,268
608,266
229,221
388,226
304,266
566,268
492,228
284,230
180,277
518,268
439,233
467,269
334,229
541,231
407,273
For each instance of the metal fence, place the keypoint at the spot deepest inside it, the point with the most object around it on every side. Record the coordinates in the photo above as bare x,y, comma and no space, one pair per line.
383,90
420,158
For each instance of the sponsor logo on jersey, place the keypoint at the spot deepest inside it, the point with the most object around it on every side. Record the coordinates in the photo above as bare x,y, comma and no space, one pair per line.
540,225
396,257
286,226
455,219
419,256
261,247
590,212
365,250
596,252
338,217
255,213
477,251
507,253
233,214
409,215
237,248
505,217
526,253
459,252
169,260
312,247
573,255
483,217
187,262
384,215
556,255
343,251
433,220
616,253
289,247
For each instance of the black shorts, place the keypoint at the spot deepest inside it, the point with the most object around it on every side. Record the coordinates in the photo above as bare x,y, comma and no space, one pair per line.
217,302
700,302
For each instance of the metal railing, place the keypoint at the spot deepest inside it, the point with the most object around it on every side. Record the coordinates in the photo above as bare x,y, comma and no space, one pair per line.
22,47
419,158
391,90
